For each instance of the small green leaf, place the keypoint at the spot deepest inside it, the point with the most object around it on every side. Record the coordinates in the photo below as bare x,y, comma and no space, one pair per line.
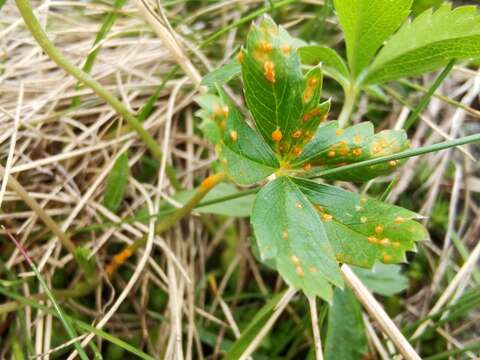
428,43
333,146
211,114
117,182
288,230
363,230
284,103
243,153
366,25
332,63
346,338
223,74
87,262
383,279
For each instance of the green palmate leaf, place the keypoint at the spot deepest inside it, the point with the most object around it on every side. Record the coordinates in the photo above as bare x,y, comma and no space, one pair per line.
223,74
346,338
362,230
333,146
245,156
366,25
427,43
284,103
332,63
288,230
117,183
386,280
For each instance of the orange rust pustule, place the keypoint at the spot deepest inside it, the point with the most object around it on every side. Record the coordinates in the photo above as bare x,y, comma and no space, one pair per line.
240,56
269,71
296,151
296,134
118,260
210,182
277,135
265,46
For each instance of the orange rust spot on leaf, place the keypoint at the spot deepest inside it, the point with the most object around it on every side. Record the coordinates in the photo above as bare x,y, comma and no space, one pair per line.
376,148
357,151
372,239
269,71
399,220
357,139
300,271
344,150
331,154
387,258
393,163
313,81
265,46
296,134
277,135
327,217
240,57
378,229
286,49
307,167
295,259
307,94
296,151
233,135
339,132
210,182
221,111
384,241
285,234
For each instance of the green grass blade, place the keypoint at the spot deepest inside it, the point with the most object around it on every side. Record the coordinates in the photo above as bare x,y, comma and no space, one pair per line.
79,324
59,312
107,24
251,331
245,19
426,98
117,183
448,354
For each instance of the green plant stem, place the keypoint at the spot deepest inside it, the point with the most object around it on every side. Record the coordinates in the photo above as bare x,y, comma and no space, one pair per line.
168,211
351,94
401,155
207,185
41,37
428,95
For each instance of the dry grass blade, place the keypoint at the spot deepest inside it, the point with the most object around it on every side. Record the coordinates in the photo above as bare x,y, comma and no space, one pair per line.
376,311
